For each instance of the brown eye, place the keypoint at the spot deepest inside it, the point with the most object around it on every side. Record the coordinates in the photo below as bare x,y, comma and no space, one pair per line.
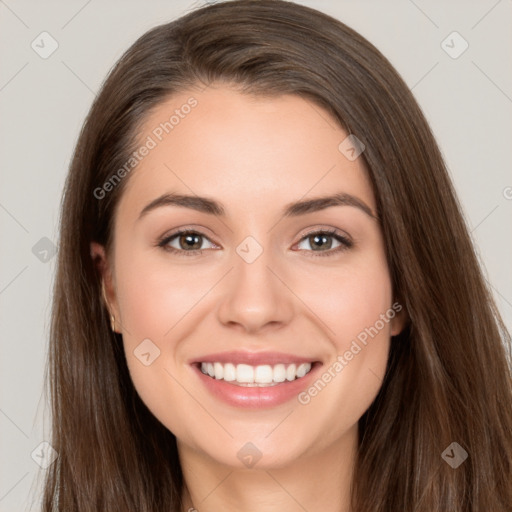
184,242
190,241
321,242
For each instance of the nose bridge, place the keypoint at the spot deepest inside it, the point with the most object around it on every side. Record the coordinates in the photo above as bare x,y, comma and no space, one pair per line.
254,296
252,262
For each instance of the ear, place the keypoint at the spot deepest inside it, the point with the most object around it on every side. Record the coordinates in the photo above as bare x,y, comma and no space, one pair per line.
104,266
399,321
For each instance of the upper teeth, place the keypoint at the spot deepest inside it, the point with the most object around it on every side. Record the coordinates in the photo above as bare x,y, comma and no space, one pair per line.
264,374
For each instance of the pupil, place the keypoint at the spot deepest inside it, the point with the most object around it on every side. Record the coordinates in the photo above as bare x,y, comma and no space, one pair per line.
190,241
318,239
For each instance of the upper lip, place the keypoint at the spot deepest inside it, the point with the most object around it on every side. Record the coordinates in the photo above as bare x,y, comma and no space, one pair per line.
252,358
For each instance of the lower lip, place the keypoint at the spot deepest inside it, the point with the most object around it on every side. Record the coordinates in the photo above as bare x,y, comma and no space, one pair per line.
256,397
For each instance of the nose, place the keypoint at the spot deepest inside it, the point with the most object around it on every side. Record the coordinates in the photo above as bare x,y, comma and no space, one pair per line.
255,296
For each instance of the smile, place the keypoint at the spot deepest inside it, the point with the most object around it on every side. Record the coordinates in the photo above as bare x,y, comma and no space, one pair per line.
265,375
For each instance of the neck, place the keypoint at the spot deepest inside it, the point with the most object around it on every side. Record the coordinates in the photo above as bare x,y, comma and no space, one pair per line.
314,482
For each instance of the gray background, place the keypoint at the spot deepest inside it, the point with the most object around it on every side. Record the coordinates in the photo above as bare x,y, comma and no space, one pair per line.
43,102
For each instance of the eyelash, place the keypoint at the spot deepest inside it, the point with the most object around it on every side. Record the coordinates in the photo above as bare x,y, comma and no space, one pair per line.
344,241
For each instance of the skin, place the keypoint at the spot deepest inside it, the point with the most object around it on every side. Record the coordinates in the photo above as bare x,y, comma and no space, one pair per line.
254,155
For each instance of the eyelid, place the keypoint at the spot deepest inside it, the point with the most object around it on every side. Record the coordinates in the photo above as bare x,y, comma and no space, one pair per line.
344,239
200,230
326,229
164,240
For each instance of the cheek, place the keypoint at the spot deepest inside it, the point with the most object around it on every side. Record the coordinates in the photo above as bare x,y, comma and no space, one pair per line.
154,296
363,331
354,304
350,298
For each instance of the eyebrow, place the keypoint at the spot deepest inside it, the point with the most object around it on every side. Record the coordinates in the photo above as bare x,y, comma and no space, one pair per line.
295,209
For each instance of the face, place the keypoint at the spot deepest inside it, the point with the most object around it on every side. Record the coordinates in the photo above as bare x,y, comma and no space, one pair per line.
239,282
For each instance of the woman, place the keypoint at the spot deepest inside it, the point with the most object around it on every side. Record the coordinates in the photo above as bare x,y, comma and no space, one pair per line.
207,351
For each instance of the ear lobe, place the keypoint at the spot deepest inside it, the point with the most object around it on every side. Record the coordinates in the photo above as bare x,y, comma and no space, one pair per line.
399,321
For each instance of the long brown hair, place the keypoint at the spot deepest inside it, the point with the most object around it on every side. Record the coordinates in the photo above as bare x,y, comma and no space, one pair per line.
448,377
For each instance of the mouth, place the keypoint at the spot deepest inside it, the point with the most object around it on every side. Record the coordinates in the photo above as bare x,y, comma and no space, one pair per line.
246,375
255,380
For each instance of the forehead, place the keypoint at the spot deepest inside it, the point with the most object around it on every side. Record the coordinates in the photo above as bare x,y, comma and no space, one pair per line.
250,152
